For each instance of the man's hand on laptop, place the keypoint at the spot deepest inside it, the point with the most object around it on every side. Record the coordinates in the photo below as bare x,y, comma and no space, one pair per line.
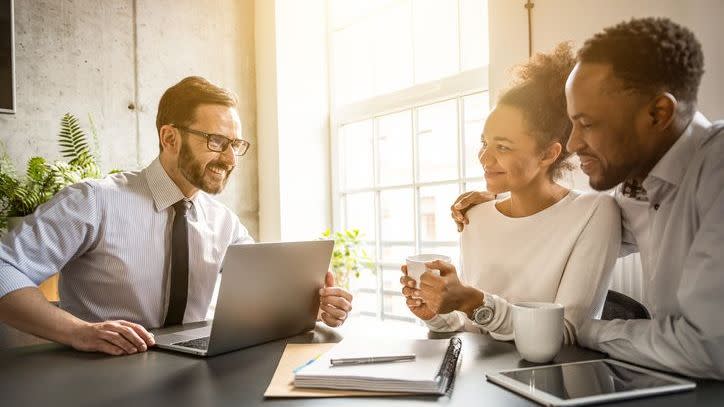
335,303
112,337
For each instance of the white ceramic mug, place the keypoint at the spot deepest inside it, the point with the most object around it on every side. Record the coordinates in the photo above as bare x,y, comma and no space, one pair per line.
416,264
538,329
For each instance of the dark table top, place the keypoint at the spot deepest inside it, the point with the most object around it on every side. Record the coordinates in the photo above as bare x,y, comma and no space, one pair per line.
55,375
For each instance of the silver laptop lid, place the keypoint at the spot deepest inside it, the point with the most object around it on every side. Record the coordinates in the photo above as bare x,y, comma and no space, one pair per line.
268,291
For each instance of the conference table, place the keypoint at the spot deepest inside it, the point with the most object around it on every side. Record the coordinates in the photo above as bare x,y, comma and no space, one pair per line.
55,375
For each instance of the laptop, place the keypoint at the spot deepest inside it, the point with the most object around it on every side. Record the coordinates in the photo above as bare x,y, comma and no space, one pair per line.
268,291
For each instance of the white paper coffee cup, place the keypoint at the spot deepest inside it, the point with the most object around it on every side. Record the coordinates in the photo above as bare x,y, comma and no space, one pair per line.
416,264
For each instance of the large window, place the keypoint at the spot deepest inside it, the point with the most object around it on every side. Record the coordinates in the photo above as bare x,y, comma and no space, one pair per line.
409,98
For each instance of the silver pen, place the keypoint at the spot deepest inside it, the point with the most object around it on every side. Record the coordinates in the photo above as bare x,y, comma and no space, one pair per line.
371,359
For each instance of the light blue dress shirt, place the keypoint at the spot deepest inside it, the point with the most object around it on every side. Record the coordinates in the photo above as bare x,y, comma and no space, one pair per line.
679,232
111,241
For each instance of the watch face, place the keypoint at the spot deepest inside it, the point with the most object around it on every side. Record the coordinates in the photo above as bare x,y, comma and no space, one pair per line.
484,315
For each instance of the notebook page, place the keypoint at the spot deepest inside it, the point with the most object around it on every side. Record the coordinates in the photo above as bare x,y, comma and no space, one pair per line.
429,354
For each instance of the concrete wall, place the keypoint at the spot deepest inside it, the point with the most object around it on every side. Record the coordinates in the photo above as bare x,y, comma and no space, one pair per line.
268,125
99,57
584,18
72,57
555,21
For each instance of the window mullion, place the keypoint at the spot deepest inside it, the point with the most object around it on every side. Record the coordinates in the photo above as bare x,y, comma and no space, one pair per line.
461,158
378,217
412,41
459,35
415,180
461,140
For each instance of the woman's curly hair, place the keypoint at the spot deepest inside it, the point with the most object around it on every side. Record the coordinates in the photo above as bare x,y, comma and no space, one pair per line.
538,90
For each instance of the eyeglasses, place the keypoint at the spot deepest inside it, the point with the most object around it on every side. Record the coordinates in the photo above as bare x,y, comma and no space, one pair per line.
219,143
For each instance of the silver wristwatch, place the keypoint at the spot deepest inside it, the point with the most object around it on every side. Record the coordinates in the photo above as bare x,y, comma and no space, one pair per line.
486,312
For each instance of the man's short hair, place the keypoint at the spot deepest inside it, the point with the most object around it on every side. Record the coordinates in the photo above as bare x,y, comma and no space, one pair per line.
650,55
178,104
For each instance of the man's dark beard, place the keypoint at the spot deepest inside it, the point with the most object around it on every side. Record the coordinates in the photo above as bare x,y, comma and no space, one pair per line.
193,171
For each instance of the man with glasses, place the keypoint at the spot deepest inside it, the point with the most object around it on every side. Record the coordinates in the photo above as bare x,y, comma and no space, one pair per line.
139,249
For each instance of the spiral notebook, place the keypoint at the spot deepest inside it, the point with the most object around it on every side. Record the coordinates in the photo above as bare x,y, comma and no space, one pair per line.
431,372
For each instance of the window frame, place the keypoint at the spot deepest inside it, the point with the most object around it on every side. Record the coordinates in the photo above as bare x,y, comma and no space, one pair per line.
454,87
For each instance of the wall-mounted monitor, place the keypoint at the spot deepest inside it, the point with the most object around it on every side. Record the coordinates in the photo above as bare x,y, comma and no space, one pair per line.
7,57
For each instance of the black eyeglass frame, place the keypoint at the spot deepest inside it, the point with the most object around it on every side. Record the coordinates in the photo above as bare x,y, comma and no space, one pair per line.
242,146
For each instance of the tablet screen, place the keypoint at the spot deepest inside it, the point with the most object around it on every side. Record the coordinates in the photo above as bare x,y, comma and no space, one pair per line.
585,379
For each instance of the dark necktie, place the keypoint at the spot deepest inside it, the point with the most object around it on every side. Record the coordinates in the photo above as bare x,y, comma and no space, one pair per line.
179,265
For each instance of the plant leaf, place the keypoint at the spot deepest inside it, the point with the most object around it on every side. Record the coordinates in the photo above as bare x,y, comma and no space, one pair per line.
72,138
37,169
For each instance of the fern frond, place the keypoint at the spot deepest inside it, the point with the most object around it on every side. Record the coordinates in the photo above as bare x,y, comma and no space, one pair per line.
90,170
6,164
63,174
8,185
72,140
20,197
37,169
82,160
25,201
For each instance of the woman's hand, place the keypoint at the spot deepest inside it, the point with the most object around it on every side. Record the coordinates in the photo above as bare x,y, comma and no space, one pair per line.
419,308
447,293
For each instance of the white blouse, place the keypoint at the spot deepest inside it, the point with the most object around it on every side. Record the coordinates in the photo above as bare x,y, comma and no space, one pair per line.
562,254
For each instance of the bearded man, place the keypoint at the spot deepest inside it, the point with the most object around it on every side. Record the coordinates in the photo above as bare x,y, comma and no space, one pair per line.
139,249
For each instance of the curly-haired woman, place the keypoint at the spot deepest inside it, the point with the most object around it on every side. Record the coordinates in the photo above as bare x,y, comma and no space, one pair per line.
543,242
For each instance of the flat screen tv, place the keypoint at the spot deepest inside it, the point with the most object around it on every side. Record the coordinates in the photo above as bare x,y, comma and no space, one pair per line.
7,57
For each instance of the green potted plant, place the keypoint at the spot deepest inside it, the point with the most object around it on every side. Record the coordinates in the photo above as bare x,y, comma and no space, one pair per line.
348,256
19,196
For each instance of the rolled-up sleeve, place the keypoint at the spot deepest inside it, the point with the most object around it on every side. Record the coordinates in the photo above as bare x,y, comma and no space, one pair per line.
451,322
241,234
59,230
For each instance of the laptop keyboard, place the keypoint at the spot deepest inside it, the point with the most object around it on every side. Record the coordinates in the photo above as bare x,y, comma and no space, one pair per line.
198,343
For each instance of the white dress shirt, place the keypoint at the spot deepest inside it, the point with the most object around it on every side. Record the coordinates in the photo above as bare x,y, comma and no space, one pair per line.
111,241
679,232
563,254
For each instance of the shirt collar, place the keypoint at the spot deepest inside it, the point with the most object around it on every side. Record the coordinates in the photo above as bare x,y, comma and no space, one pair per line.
633,189
672,166
165,192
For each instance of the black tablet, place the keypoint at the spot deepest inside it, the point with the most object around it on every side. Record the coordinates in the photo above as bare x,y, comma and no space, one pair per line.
593,381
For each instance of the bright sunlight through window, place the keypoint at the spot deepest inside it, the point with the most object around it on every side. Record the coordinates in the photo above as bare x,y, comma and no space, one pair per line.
409,91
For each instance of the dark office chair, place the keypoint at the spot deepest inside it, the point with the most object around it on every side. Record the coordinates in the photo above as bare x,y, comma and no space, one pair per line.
620,306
